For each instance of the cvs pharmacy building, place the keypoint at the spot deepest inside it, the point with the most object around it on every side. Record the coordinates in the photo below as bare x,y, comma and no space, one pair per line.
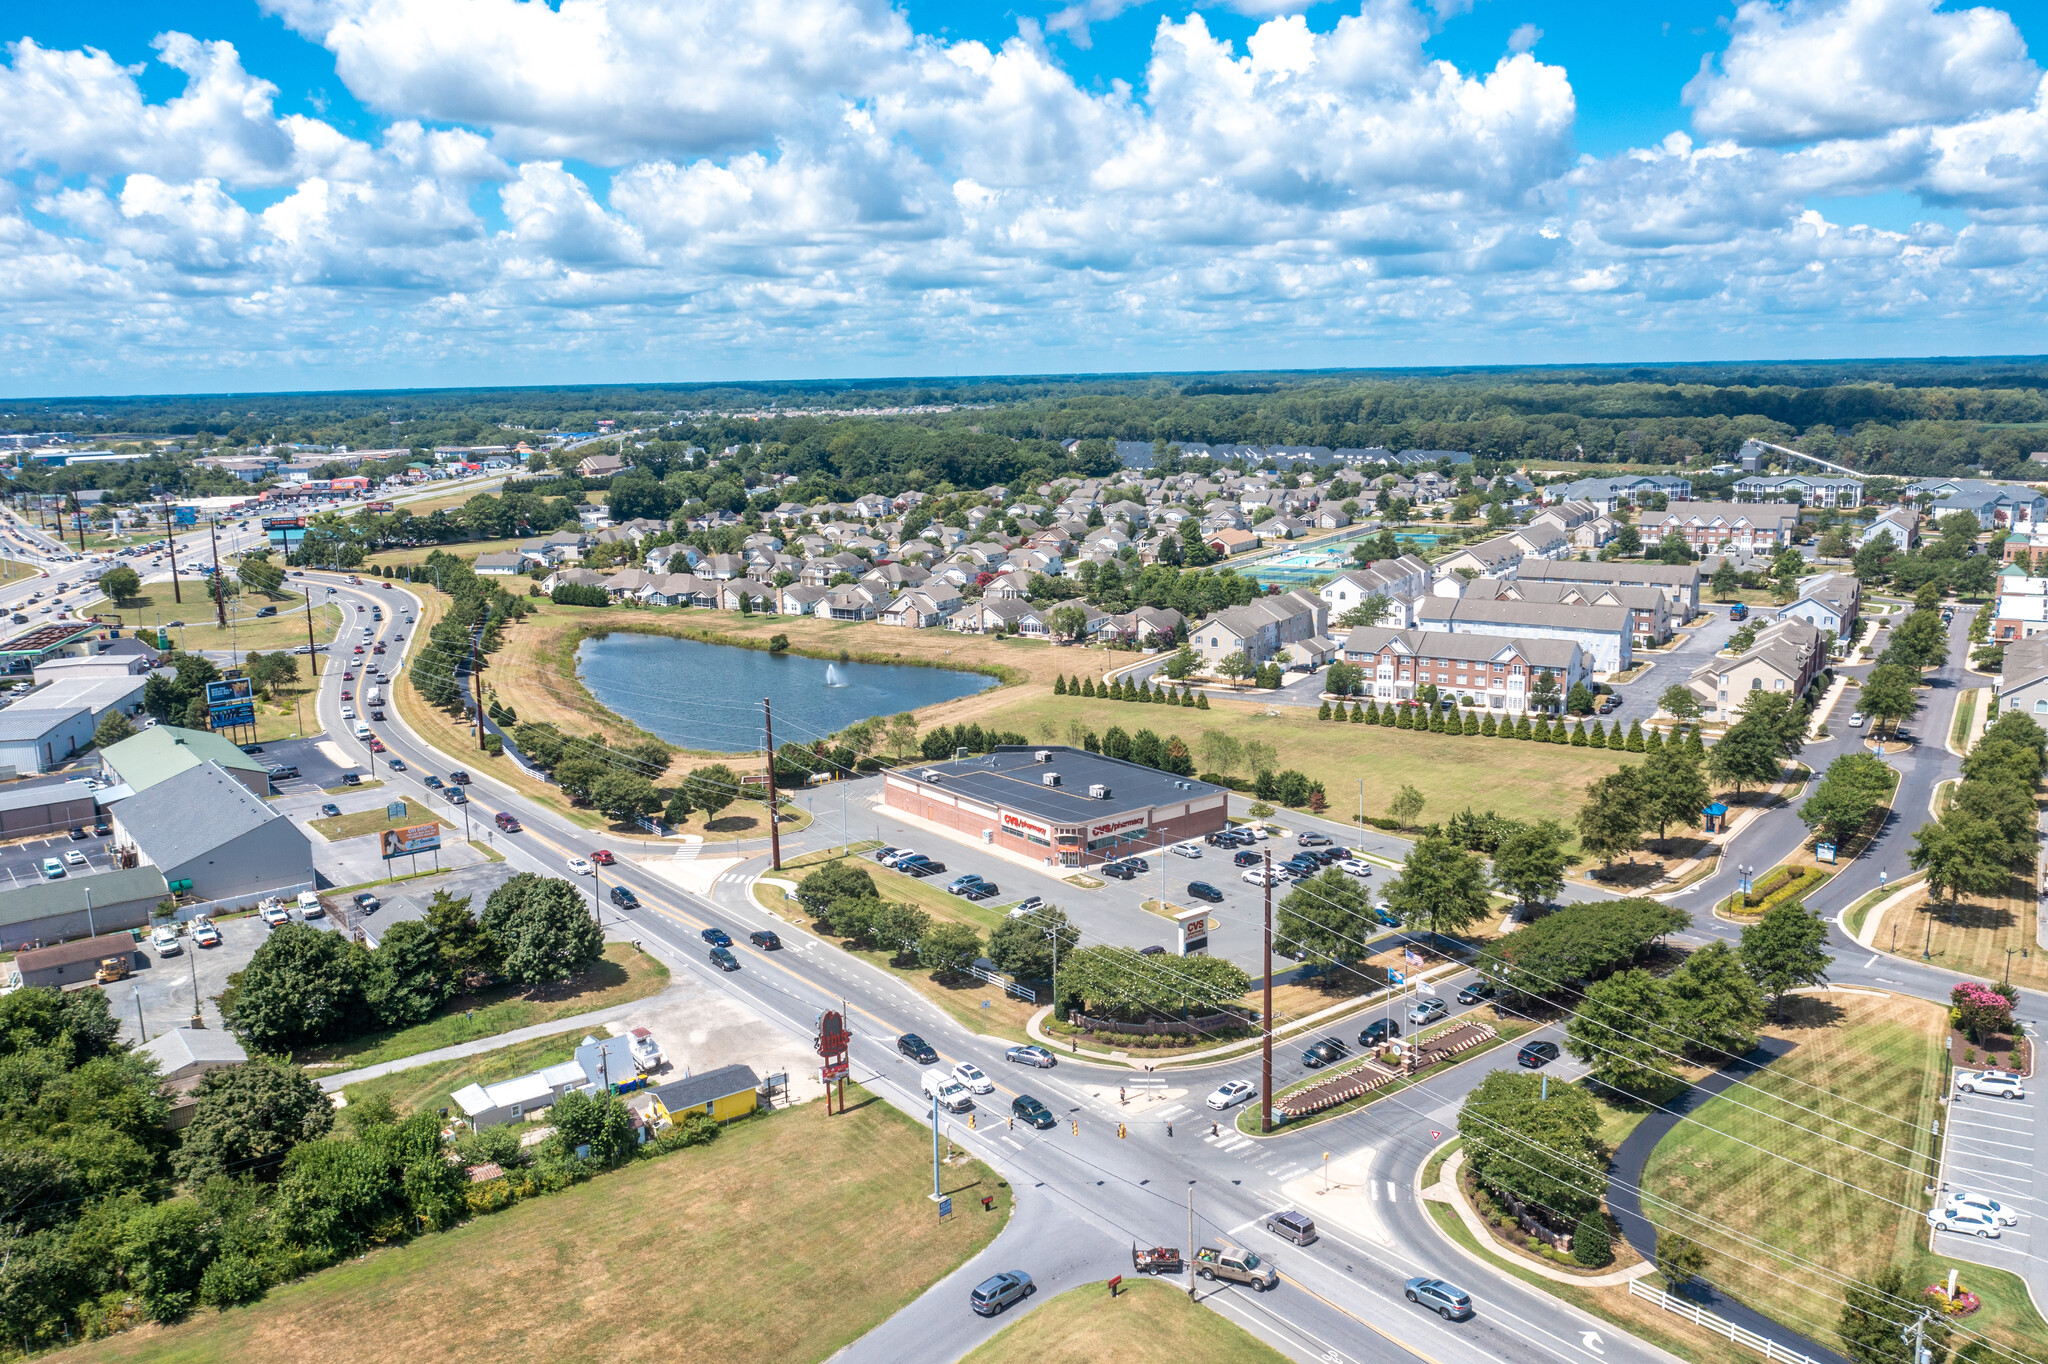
1063,805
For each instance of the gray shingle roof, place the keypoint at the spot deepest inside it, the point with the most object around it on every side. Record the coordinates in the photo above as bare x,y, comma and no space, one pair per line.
182,816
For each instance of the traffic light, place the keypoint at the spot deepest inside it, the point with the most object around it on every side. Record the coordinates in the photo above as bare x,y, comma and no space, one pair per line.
970,1122
1077,1127
1120,1132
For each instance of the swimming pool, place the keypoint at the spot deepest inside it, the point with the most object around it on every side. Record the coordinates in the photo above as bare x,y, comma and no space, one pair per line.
1301,566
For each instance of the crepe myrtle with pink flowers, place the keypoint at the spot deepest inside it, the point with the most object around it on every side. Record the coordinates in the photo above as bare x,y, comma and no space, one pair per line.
1982,1011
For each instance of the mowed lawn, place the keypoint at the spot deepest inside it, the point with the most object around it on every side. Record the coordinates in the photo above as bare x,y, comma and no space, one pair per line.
1979,935
356,825
1845,1192
285,630
1148,1322
624,974
1517,778
779,1243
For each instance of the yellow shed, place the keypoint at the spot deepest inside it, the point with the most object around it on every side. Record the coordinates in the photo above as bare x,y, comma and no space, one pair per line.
723,1094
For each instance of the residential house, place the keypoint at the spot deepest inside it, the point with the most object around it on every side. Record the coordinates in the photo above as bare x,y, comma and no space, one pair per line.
1808,490
799,599
581,577
2023,679
1608,493
1900,525
1786,657
1261,628
1680,583
1227,542
1993,504
1495,558
2020,609
851,602
499,565
1147,625
1605,633
997,616
922,608
1718,526
1829,601
1497,672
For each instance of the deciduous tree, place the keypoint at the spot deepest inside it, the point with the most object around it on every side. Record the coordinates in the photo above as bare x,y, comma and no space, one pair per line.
1441,887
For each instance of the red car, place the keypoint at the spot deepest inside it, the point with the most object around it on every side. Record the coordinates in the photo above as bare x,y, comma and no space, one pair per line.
387,587
602,857
359,648
376,744
379,649
347,695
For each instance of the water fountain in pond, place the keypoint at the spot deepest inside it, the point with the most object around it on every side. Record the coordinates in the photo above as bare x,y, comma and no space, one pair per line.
834,677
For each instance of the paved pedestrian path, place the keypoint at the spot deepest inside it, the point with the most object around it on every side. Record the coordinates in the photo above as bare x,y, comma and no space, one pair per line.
333,1084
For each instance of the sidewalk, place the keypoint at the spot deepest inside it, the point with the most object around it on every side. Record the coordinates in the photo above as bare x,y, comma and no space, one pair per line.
334,1084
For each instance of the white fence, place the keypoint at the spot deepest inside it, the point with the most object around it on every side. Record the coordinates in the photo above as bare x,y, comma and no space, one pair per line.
1720,1326
1023,992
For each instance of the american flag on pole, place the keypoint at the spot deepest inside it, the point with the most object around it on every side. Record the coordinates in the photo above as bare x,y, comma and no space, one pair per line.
1412,955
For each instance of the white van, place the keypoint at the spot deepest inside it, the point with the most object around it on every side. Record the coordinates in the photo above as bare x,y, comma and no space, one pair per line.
951,1094
310,906
362,730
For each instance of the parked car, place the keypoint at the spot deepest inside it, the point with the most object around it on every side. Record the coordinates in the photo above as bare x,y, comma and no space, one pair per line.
52,869
1968,1220
2002,1084
1352,866
998,1291
368,903
1120,871
1031,1112
1030,1056
274,913
1427,1011
765,939
1378,1032
1026,905
165,940
883,855
1991,1207
1189,848
1608,704
917,1049
1535,1054
718,937
331,810
1259,876
1476,991
724,960
74,858
1447,1300
1327,1052
1231,1092
78,833
1247,859
960,884
284,772
1202,890
624,898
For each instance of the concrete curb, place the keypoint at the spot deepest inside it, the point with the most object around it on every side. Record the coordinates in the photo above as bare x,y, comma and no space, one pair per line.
1452,1194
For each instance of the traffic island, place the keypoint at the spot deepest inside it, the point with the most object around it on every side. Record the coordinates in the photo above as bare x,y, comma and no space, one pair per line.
1321,1098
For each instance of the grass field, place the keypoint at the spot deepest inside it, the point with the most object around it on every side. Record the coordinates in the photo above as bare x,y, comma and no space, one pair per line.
285,630
1979,935
1844,1193
718,1252
14,570
625,974
1148,1322
375,821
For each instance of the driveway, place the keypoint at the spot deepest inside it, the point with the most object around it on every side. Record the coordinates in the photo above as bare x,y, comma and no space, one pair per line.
1673,666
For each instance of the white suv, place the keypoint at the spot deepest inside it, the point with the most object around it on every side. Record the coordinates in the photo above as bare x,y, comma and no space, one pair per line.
2002,1084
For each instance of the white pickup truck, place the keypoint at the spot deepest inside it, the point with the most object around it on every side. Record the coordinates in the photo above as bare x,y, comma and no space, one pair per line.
951,1094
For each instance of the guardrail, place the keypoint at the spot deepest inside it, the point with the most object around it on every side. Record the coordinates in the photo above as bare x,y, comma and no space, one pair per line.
1720,1326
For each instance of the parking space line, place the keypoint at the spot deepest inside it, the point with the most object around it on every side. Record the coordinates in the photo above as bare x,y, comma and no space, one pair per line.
2001,1160
1986,1141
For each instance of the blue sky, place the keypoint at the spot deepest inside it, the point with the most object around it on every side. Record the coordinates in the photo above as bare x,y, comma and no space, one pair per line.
326,193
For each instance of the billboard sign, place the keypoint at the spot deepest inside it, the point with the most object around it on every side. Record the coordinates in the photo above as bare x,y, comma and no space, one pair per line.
411,839
229,690
834,1070
228,717
1016,823
185,516
1192,932
832,1036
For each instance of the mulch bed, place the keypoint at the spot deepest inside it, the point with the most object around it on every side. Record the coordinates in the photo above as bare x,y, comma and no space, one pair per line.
2012,1055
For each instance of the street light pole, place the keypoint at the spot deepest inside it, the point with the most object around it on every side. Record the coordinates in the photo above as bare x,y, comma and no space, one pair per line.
1265,1027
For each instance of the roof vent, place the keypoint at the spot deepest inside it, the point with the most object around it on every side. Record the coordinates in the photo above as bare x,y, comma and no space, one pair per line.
1043,755
1050,778
1098,792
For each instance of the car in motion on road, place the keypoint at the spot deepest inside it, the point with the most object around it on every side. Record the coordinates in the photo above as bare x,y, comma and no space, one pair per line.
1030,1056
506,820
2002,1084
917,1049
579,866
432,782
1534,1054
1378,1032
1031,1112
998,1291
765,939
624,898
1231,1092
331,810
1476,991
717,936
1447,1300
1327,1052
724,960
974,1077
1427,1011
1311,839
603,857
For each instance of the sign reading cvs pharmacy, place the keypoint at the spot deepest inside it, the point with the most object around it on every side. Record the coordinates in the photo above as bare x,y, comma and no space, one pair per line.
1030,828
1116,826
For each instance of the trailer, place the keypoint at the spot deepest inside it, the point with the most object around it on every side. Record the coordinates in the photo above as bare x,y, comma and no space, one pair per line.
1157,1259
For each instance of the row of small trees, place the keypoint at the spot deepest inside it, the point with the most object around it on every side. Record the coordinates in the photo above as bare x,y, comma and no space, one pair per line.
1988,826
1124,690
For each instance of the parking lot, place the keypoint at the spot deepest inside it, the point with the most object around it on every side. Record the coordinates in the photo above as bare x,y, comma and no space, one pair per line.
1993,1147
21,863
163,986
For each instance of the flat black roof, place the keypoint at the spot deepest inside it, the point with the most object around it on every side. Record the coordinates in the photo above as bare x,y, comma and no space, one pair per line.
1011,776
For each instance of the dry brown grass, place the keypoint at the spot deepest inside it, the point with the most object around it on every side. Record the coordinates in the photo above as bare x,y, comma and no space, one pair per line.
1973,935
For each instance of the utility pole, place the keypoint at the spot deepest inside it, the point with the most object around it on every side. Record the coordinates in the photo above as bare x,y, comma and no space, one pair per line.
220,604
1266,1037
936,1193
1915,1337
312,647
1191,1238
476,678
78,520
171,547
774,828
192,960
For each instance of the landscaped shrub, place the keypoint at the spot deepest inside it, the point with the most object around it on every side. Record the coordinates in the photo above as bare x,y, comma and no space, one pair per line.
1591,1245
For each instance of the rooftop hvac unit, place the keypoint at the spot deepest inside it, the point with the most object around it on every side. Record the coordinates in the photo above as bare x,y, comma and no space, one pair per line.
959,754
1043,755
931,775
1098,792
1050,778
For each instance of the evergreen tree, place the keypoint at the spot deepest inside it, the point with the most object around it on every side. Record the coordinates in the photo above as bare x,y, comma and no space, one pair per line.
1523,729
1487,727
1372,711
1579,734
1202,701
1059,684
1635,736
1472,721
1653,741
1596,737
1357,713
1324,712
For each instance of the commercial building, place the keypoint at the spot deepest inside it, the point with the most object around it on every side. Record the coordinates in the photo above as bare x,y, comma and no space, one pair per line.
80,906
1489,671
40,740
114,658
41,642
1063,806
721,1095
212,838
70,963
102,696
163,751
1605,633
35,807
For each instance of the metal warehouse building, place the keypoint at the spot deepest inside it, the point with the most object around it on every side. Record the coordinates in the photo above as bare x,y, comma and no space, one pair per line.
1062,805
